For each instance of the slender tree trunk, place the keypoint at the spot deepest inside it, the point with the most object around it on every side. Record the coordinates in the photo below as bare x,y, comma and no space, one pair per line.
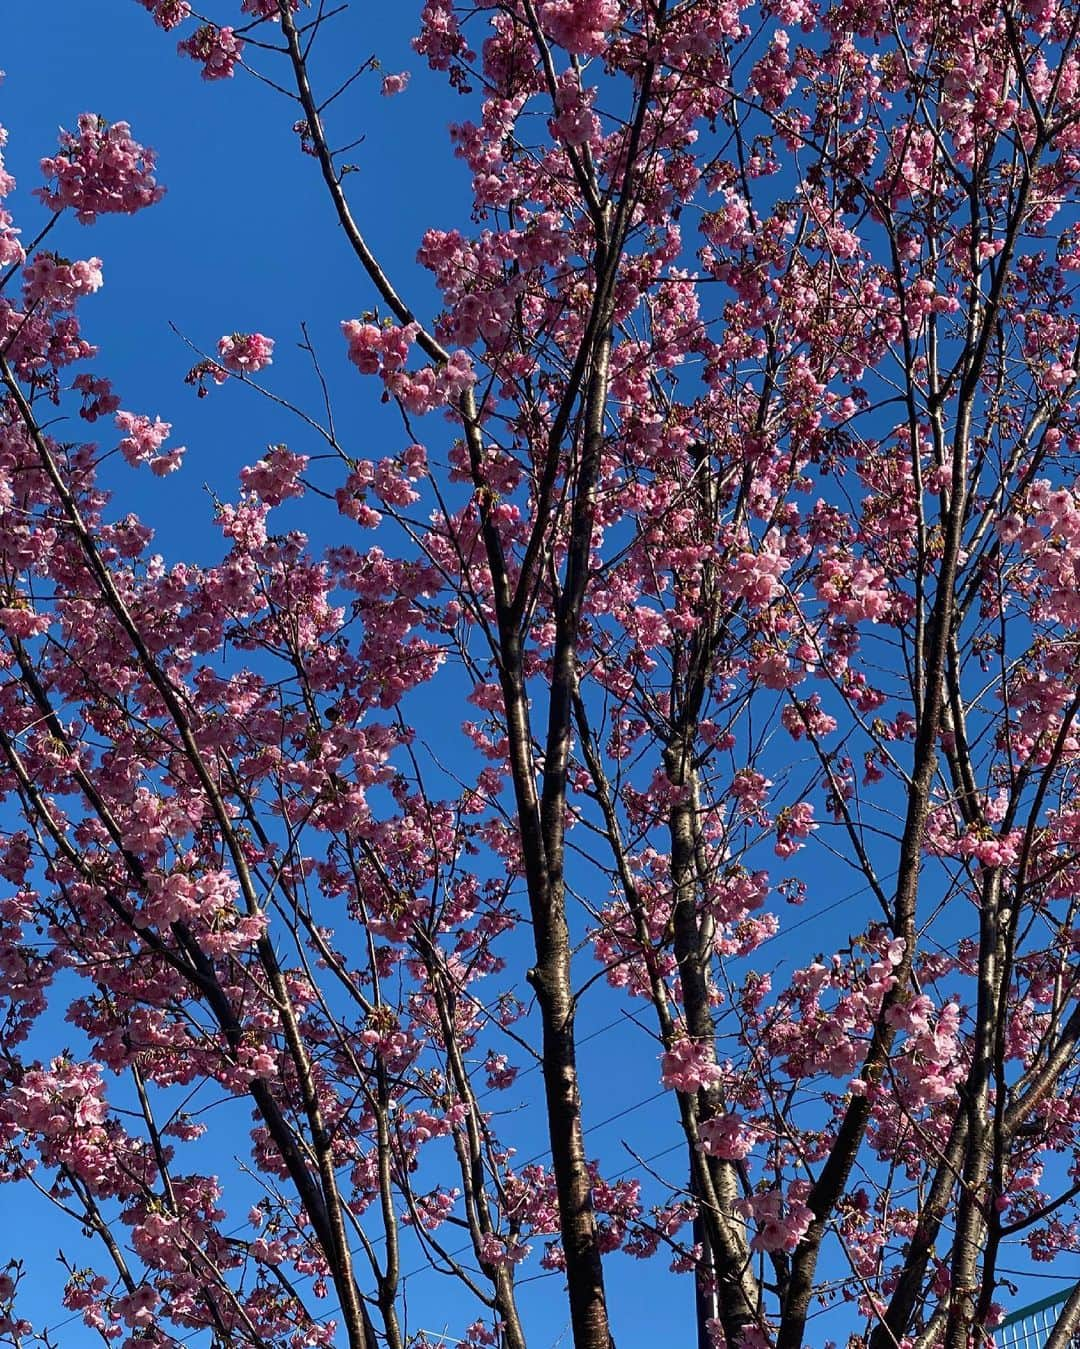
550,978
714,1180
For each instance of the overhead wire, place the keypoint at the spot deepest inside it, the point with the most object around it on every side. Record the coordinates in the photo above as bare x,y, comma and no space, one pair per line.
614,1118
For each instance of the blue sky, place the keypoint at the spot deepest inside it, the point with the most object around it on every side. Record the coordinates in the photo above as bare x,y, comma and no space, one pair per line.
244,239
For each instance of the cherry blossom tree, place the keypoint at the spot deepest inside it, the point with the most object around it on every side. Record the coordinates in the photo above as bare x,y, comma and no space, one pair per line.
733,544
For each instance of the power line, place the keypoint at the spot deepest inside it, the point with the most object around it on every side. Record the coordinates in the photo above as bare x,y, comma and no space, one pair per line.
593,1129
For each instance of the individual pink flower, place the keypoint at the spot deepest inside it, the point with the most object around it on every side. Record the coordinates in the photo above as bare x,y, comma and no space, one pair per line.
688,1066
780,1226
990,849
575,123
364,345
372,348
98,397
793,825
143,441
218,49
137,1309
727,1136
394,84
276,477
750,788
500,1072
199,374
168,14
12,252
266,9
246,353
7,182
500,1251
754,576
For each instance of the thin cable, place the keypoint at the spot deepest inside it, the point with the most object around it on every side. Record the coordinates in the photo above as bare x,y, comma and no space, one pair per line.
620,1020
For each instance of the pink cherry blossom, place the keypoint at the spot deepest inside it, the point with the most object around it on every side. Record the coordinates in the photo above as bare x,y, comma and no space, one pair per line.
781,1224
245,353
276,477
98,397
100,170
794,825
168,14
727,1136
218,50
688,1066
143,441
49,281
394,84
579,25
